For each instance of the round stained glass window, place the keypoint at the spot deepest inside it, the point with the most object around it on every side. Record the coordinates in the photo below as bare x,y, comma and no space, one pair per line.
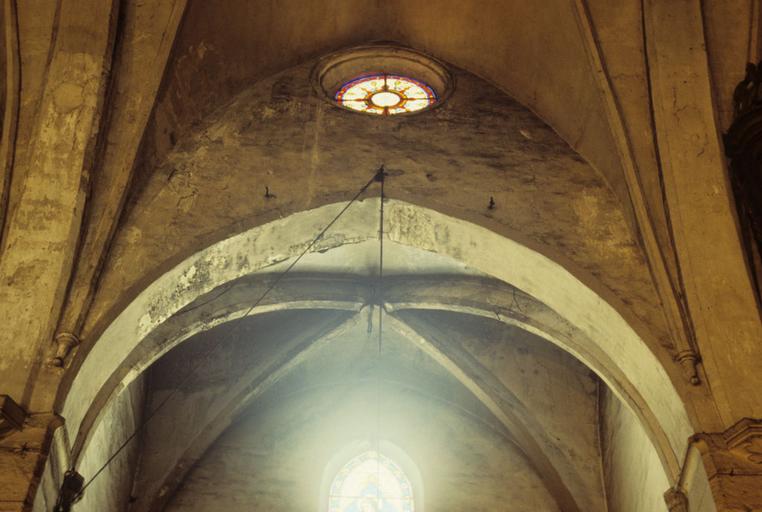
385,94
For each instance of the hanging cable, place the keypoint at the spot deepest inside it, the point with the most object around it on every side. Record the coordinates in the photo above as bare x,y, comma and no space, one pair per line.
380,177
380,299
66,496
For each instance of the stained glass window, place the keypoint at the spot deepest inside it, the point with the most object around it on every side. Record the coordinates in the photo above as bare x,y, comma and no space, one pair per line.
385,94
371,482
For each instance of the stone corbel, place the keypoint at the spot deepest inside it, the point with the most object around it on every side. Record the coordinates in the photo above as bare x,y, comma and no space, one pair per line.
688,360
65,341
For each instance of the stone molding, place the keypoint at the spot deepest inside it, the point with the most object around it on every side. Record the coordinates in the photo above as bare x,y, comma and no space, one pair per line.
676,500
733,463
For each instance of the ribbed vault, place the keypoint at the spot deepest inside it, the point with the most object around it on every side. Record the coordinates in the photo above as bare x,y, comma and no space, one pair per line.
219,284
163,160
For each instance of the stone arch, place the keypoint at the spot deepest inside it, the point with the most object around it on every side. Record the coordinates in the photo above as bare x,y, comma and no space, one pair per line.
618,353
346,297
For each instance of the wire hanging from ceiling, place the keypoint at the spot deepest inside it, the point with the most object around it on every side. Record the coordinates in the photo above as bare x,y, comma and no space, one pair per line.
74,485
380,177
380,300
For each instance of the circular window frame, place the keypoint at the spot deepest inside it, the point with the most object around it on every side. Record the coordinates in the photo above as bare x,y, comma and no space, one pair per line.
335,70
387,448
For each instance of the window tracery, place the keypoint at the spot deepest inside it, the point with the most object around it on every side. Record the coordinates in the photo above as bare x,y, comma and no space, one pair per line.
371,482
385,94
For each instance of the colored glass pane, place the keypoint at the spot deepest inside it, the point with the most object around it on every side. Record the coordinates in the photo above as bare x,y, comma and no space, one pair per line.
385,94
371,482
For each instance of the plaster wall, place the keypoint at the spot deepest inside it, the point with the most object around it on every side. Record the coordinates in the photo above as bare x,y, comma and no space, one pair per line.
244,352
537,372
557,389
531,50
635,480
695,483
732,37
111,490
223,47
274,459
619,34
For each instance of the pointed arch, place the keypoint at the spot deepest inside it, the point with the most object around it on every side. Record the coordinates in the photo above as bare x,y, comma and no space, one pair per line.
621,355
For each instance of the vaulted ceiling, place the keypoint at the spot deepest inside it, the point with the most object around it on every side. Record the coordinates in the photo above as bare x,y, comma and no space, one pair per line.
340,390
191,110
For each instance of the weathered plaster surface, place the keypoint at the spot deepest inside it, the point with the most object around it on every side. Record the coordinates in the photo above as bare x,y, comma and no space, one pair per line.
479,144
146,37
111,490
223,48
557,389
732,31
695,483
44,221
532,51
274,459
349,354
635,480
618,31
247,353
723,306
36,19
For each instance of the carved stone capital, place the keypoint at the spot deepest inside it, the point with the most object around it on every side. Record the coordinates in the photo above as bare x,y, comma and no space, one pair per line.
733,463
